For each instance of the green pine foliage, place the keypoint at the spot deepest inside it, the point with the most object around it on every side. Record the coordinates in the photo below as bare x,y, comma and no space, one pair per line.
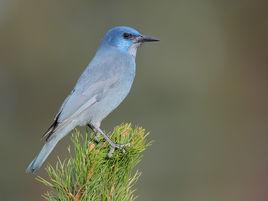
89,175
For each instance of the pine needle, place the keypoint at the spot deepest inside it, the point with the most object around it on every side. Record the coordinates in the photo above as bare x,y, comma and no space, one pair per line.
90,175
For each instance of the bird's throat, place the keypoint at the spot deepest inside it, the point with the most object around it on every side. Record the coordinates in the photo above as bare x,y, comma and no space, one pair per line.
133,49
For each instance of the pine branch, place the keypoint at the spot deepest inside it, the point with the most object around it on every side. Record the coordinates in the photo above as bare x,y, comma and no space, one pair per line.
89,175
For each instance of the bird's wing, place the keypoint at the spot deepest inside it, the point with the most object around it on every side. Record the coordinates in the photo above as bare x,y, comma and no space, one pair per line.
95,81
100,75
84,95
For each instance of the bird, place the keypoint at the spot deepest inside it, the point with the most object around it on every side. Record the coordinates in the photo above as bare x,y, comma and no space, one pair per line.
103,85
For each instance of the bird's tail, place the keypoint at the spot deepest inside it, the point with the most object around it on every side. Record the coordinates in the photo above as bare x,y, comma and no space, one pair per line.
42,156
47,148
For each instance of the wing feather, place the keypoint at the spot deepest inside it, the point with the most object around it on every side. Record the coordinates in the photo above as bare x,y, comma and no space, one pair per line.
99,76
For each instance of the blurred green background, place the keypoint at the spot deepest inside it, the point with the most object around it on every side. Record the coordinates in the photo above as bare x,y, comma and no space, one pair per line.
201,91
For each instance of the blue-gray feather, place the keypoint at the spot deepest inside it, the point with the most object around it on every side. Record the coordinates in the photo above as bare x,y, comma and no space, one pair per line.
103,85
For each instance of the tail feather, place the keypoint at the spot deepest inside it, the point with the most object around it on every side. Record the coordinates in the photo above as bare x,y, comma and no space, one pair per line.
42,156
50,144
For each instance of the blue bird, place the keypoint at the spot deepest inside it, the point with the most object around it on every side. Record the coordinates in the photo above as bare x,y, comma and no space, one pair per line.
103,85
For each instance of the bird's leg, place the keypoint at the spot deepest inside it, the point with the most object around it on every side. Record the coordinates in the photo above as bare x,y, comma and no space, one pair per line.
97,134
112,144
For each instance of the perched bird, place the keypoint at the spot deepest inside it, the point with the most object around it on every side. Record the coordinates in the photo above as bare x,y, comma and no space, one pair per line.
103,85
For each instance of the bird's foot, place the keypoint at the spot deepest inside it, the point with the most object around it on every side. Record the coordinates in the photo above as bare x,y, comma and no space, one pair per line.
114,146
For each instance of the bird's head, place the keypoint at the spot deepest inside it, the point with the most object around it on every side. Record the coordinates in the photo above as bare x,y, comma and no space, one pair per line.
126,39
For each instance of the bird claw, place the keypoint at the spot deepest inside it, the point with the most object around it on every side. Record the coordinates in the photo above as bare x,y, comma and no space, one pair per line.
110,153
117,146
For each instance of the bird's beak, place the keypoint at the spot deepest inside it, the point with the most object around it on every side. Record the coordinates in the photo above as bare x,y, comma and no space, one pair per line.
143,38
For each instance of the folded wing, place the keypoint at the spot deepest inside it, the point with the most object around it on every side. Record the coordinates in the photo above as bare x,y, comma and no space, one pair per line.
84,95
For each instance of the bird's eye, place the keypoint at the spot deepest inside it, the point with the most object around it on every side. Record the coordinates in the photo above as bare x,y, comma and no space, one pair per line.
127,35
